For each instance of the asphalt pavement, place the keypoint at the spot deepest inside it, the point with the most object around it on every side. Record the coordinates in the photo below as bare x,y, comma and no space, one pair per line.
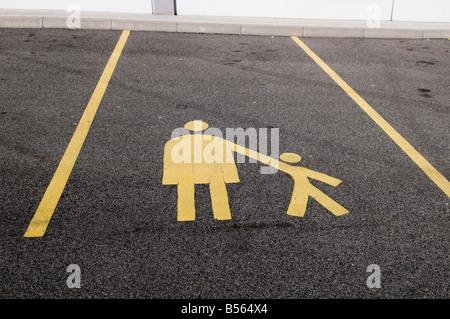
118,223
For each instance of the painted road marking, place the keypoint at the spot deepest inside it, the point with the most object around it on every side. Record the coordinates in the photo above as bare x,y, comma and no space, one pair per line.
41,218
424,165
191,159
185,165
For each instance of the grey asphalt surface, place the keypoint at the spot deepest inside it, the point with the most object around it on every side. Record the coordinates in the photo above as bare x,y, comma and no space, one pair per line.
118,222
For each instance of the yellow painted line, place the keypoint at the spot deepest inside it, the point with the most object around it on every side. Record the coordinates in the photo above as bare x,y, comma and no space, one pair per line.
41,218
428,169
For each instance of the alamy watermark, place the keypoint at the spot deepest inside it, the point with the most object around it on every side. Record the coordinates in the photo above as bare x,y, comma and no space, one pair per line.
374,16
74,279
74,19
374,280
196,143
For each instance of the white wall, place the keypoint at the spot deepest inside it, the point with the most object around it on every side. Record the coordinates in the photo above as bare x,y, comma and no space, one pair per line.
305,9
402,10
131,6
422,10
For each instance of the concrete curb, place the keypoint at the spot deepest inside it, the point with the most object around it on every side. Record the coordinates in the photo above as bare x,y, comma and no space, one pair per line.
225,25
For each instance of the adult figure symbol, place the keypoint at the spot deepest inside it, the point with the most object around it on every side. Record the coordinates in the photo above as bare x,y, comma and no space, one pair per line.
199,159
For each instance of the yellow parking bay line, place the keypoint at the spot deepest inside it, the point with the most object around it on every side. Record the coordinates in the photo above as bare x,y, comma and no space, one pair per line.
429,170
41,218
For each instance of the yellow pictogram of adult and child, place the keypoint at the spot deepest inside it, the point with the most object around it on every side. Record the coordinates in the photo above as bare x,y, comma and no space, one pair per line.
206,159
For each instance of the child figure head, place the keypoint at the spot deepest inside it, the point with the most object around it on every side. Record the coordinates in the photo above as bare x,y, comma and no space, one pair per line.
290,157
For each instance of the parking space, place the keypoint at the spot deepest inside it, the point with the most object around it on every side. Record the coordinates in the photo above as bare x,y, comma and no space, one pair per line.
118,222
